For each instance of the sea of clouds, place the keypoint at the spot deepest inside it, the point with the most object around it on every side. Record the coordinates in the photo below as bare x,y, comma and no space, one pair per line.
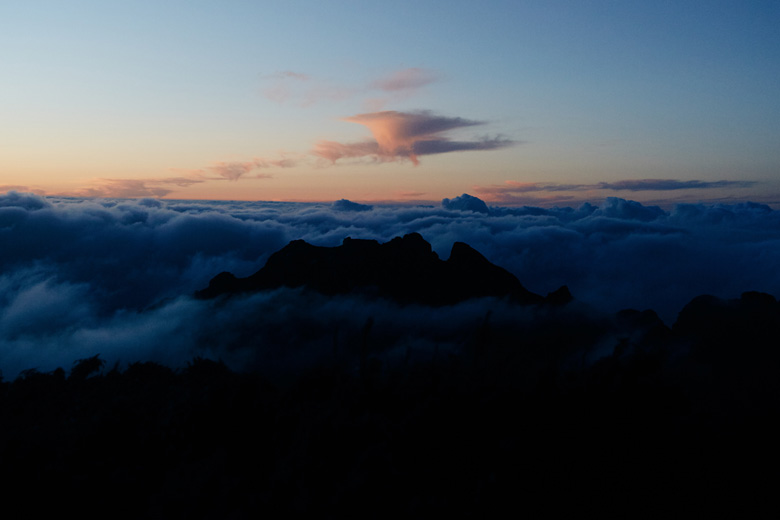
80,277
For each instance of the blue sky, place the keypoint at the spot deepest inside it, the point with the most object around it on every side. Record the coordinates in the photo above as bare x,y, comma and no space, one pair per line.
233,100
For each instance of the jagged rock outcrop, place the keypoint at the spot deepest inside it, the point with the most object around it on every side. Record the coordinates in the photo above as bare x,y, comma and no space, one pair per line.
404,269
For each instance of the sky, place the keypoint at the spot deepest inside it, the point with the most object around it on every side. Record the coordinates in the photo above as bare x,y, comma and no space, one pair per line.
541,103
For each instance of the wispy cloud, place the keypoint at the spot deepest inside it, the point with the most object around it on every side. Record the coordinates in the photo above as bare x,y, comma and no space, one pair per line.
132,188
333,151
434,146
285,162
511,191
411,194
282,85
182,182
405,136
399,85
405,79
294,75
160,187
235,170
231,171
304,90
512,187
670,184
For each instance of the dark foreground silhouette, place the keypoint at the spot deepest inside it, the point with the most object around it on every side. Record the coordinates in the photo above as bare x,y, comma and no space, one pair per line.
580,414
405,270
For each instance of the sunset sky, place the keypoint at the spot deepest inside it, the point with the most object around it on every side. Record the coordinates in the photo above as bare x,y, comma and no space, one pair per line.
516,102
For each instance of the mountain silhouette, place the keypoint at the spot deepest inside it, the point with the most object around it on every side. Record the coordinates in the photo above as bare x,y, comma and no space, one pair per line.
405,270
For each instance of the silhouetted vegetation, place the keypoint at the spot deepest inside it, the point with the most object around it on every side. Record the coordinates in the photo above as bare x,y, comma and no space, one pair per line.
570,412
671,418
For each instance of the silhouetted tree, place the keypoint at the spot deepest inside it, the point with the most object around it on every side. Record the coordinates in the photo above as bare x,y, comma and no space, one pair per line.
83,368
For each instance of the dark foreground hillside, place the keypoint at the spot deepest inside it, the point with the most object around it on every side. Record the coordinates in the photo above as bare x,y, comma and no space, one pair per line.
572,412
672,419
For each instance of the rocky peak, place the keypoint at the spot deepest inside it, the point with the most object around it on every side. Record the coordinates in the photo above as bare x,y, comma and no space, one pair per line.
405,269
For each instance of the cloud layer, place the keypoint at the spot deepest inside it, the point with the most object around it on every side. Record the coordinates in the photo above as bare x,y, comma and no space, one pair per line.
81,277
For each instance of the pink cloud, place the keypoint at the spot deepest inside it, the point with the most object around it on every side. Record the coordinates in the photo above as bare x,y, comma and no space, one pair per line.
399,85
405,135
333,151
232,171
304,90
411,194
160,187
182,182
285,162
405,79
125,188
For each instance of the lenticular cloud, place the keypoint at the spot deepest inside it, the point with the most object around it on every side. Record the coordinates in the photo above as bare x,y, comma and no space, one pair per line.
115,277
405,136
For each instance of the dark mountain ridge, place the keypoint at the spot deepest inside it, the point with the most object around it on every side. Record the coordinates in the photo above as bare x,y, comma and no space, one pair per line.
405,270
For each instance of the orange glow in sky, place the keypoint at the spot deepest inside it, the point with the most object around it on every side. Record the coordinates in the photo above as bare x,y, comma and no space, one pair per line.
144,100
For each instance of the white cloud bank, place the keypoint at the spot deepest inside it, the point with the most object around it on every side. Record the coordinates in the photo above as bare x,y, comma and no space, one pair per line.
80,277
